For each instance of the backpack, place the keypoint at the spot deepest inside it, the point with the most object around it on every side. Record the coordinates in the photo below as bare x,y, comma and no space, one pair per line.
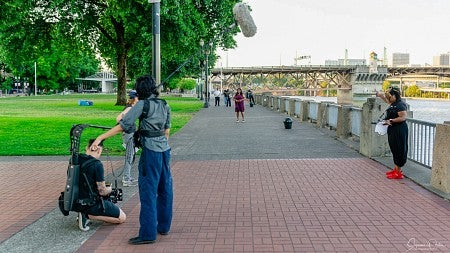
68,199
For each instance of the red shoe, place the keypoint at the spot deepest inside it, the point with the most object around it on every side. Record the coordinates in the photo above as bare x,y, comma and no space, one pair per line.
395,175
390,172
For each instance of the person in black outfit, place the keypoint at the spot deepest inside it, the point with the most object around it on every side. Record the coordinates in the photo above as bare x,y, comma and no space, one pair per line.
94,193
397,130
226,95
250,97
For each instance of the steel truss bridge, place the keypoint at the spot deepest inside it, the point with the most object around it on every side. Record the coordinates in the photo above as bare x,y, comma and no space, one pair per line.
310,77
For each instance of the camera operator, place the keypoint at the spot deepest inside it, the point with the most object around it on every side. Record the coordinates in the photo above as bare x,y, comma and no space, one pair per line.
94,194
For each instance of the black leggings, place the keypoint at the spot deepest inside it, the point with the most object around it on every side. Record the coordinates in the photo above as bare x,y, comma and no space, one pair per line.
398,143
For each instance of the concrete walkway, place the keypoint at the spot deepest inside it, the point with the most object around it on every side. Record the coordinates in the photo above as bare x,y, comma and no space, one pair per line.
239,187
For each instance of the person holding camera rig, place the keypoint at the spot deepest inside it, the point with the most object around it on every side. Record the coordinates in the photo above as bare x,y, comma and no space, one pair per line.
94,194
155,179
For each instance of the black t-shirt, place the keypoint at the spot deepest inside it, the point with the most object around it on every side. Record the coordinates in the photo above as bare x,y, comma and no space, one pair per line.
394,108
94,173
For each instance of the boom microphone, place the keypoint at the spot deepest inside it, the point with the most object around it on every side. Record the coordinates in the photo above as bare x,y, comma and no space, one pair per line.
244,20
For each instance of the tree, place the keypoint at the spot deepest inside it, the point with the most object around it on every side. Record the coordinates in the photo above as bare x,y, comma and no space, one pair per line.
412,91
386,85
121,30
26,37
187,84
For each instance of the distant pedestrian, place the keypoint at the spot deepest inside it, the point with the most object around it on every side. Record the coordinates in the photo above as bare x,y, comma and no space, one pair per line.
226,95
128,143
216,98
250,97
397,130
239,104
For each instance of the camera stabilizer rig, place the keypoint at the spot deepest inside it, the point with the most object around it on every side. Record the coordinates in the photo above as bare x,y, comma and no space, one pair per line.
69,196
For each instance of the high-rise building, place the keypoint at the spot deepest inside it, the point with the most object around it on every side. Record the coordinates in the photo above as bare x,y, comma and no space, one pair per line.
441,60
400,59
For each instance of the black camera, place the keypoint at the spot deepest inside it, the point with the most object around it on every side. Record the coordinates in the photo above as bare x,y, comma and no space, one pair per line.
116,195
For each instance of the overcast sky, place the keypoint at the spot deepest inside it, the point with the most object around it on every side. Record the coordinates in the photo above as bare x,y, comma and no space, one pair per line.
323,29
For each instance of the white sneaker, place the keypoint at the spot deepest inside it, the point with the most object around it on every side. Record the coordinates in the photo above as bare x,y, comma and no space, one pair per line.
237,121
243,120
83,221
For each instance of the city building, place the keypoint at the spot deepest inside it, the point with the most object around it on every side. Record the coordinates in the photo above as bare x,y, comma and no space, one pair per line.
400,59
441,60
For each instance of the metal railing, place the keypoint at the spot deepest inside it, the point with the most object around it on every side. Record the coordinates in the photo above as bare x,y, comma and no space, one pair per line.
421,141
355,118
332,115
313,110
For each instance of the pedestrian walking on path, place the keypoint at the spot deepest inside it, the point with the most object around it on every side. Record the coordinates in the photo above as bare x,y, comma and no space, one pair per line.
239,107
217,98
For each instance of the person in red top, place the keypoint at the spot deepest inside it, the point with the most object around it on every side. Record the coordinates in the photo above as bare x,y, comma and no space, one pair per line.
239,104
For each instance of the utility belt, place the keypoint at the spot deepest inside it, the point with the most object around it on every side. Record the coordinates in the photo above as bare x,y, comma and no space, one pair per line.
151,133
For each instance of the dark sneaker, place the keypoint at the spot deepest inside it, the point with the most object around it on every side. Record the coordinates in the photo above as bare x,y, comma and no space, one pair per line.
138,241
83,221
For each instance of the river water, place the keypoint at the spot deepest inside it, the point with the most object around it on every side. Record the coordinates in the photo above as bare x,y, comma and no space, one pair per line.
430,110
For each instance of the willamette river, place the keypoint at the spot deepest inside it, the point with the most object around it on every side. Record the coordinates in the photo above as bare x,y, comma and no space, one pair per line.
436,111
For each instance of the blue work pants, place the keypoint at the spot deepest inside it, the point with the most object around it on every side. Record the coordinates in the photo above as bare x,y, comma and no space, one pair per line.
155,193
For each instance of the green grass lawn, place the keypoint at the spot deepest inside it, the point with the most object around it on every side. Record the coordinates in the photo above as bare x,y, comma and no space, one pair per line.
41,125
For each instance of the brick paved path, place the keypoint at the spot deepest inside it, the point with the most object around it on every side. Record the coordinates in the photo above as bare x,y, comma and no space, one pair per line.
256,187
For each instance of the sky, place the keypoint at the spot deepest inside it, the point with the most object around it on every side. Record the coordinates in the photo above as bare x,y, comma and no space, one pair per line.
324,29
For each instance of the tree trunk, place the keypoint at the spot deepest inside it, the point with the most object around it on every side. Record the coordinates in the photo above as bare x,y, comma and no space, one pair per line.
121,77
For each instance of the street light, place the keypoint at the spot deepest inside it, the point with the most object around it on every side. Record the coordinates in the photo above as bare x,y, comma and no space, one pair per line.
207,50
25,85
17,84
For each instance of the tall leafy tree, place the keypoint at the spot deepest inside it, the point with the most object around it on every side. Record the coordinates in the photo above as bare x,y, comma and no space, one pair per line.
28,36
120,31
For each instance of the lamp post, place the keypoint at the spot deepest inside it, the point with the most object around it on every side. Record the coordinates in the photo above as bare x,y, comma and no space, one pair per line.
156,46
17,84
199,84
25,85
207,50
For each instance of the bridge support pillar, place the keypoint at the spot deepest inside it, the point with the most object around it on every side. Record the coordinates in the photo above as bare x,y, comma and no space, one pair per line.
440,173
371,143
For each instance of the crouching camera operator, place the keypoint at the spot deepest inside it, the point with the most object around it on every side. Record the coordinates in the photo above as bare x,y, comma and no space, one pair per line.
94,195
